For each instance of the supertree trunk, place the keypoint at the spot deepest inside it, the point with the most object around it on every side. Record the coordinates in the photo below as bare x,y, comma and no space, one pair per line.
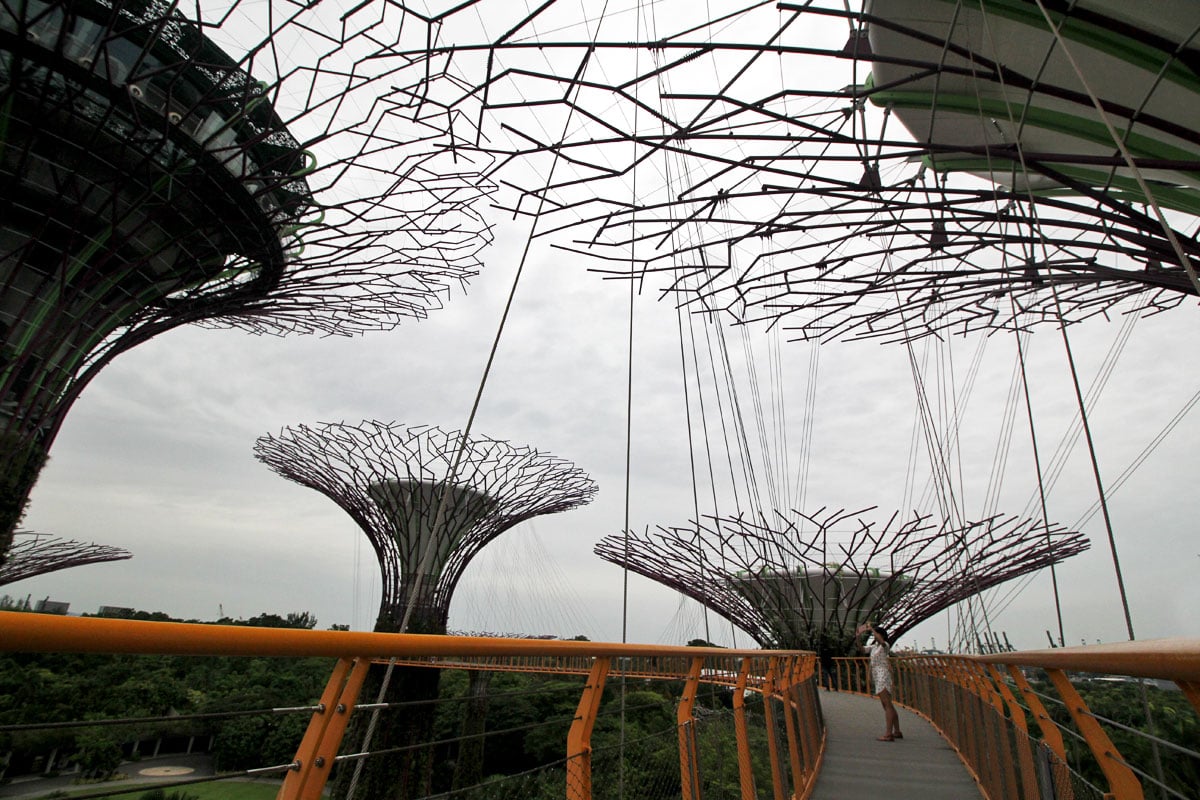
468,767
407,728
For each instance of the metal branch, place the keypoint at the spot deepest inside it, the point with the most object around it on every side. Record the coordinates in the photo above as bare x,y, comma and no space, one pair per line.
909,184
37,553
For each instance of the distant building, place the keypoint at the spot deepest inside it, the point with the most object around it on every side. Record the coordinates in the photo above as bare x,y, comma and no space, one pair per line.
115,611
49,606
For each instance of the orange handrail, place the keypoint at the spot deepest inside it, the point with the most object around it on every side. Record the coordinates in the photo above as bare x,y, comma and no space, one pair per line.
775,674
46,633
1175,659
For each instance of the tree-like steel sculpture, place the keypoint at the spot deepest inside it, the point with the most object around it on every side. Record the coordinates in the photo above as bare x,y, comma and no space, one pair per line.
429,501
806,581
37,553
871,169
250,166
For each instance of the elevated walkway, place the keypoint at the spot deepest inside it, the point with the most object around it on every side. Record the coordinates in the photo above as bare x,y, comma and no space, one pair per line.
921,766
986,705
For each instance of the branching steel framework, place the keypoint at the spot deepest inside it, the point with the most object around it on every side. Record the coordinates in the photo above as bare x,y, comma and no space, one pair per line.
806,581
252,165
888,170
391,480
38,553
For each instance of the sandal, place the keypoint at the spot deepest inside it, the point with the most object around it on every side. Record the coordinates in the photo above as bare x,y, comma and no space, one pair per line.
886,738
897,735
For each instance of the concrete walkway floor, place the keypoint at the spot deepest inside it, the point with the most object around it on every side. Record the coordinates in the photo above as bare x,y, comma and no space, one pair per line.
921,766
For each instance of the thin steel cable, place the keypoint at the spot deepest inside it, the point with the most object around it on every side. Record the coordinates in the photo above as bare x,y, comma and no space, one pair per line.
1037,466
458,455
633,285
372,724
1142,456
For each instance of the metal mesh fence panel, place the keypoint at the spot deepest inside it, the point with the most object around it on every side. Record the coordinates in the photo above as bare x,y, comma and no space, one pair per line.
777,734
760,757
646,768
544,783
717,755
1057,781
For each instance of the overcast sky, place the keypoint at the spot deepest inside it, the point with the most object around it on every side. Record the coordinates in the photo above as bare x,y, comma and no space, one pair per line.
156,457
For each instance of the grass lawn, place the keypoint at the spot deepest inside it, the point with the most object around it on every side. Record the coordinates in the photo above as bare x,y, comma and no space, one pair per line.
220,790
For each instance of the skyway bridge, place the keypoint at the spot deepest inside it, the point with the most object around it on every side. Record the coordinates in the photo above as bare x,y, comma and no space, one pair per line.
974,726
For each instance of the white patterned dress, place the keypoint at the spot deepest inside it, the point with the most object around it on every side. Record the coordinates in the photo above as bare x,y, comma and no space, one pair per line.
881,670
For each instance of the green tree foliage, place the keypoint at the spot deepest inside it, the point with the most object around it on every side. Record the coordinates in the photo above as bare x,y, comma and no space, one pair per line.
162,794
1173,718
97,753
41,688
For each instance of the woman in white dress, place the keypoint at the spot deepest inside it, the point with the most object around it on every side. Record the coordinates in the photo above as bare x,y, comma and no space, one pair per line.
878,647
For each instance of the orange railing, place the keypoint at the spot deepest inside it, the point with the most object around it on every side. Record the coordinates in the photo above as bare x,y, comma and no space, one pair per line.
782,681
1022,727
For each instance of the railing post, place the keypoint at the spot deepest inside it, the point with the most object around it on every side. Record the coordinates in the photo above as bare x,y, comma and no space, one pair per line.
689,766
971,706
999,755
745,766
579,738
1021,743
768,693
1121,779
811,744
314,758
1051,735
1191,690
790,723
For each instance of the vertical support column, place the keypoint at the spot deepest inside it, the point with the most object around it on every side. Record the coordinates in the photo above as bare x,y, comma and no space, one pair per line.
970,705
1021,742
805,673
788,693
579,738
314,758
997,765
1191,690
768,692
1122,781
1051,735
745,765
689,767
809,722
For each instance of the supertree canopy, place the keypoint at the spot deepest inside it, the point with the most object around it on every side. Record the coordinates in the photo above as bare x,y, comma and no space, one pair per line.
848,169
428,500
36,554
806,581
238,164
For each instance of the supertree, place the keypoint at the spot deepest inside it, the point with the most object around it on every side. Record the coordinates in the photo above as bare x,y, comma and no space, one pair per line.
235,164
37,553
429,501
870,169
806,581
